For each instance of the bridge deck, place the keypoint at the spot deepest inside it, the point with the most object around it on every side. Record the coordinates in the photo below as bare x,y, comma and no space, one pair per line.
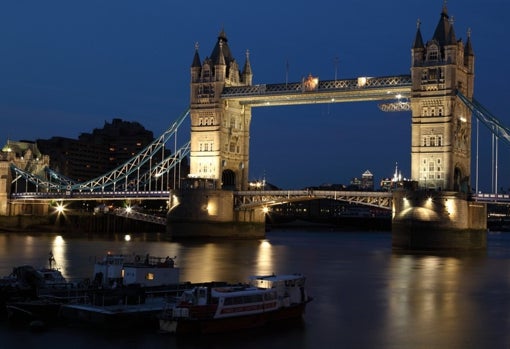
328,91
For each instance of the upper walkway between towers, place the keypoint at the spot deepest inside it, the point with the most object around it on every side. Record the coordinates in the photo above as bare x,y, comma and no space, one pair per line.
312,90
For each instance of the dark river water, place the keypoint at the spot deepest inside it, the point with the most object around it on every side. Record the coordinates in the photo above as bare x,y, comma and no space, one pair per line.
365,295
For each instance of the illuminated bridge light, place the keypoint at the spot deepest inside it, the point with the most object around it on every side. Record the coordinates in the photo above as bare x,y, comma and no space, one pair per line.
395,106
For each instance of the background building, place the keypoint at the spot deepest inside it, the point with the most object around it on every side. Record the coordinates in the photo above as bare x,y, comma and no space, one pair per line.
94,154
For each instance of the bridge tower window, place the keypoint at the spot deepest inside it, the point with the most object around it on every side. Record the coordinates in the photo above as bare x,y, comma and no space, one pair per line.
433,53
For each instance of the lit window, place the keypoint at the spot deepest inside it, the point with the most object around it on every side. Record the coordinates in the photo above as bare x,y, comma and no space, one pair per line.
149,276
433,54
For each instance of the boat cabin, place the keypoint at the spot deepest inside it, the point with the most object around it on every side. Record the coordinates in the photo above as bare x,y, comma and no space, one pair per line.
117,270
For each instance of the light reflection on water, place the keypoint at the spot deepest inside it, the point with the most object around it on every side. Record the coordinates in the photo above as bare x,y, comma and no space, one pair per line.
365,295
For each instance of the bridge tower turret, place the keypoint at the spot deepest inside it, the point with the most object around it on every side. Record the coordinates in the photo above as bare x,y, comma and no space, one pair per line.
441,123
219,156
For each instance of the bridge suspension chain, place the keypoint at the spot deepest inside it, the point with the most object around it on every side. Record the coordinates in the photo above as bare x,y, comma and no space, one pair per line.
489,120
119,175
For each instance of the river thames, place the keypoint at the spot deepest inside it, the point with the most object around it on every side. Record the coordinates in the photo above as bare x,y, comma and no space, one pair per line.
365,295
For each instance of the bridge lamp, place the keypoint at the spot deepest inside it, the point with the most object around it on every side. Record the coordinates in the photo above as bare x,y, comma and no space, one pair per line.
450,207
265,209
60,208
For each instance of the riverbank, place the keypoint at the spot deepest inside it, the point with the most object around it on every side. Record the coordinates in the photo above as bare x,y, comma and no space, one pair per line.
77,223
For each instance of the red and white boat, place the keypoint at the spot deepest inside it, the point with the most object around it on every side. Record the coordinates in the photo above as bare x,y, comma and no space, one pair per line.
209,309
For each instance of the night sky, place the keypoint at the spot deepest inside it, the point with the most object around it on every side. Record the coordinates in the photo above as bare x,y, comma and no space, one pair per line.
67,67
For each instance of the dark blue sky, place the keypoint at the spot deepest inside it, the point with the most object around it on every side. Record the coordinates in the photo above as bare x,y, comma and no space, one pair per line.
66,67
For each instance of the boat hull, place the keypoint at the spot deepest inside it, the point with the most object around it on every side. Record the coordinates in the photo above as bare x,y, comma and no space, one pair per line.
227,324
113,317
26,312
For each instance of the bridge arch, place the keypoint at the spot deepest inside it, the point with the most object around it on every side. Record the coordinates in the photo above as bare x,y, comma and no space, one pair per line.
228,179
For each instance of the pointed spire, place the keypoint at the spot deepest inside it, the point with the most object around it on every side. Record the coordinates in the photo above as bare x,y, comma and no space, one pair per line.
223,42
221,57
444,33
468,49
247,65
418,40
196,58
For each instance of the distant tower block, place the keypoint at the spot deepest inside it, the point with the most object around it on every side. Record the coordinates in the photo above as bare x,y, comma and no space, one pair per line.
441,123
220,130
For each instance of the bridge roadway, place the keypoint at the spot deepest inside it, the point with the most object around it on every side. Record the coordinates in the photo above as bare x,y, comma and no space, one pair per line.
244,200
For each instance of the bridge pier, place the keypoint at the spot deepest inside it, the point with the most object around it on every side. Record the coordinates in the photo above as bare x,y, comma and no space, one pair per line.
5,185
210,213
432,220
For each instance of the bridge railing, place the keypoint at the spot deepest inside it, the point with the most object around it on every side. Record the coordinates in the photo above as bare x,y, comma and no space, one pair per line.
91,195
254,198
491,197
326,85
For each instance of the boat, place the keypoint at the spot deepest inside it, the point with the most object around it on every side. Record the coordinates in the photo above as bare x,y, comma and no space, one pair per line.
128,292
264,300
120,285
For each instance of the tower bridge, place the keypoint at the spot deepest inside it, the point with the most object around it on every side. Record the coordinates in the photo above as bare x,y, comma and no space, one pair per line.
214,200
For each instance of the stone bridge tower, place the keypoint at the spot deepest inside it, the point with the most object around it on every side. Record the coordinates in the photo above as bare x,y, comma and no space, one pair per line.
441,123
440,215
220,130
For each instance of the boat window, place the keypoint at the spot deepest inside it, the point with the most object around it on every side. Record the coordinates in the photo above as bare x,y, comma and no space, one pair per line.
269,296
252,298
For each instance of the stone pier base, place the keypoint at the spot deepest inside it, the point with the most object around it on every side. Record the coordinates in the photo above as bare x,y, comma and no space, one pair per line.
204,213
424,221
